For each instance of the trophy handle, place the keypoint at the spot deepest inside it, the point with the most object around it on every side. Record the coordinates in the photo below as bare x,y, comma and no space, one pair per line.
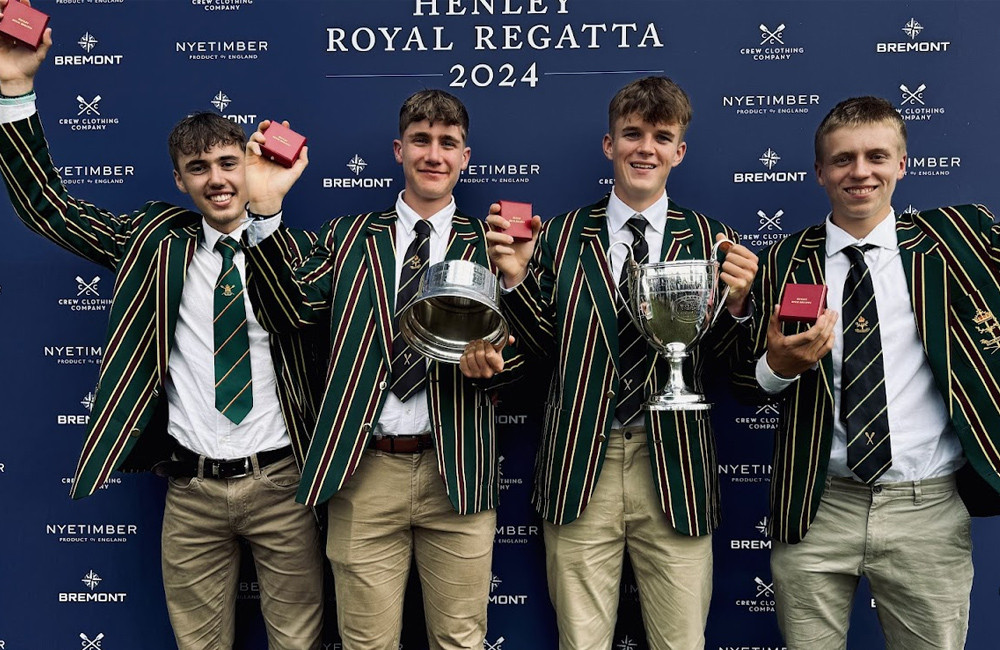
725,292
630,261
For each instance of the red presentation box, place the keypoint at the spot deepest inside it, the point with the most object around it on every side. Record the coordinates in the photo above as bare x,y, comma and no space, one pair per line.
25,24
281,144
802,303
519,216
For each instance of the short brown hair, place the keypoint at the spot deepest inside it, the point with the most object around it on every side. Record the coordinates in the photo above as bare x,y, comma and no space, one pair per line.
859,111
434,106
200,132
657,100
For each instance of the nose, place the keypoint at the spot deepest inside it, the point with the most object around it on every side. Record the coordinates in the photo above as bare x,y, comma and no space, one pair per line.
434,153
646,144
860,168
215,176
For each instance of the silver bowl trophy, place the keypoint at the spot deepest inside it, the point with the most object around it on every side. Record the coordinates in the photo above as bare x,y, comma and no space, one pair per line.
673,304
457,302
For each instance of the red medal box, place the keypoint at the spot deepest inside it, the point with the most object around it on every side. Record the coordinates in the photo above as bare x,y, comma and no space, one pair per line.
519,216
281,144
24,23
802,303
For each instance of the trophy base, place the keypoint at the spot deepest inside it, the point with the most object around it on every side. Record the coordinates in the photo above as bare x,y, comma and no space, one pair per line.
677,402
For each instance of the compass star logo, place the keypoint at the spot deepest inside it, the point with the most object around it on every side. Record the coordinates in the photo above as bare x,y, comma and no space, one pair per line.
769,159
357,164
91,579
627,644
495,582
87,42
912,28
88,401
220,101
762,526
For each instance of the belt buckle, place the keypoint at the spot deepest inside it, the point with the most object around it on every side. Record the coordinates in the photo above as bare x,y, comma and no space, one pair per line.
226,475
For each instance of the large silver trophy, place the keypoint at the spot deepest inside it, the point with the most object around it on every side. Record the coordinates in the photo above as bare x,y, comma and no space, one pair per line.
673,304
458,302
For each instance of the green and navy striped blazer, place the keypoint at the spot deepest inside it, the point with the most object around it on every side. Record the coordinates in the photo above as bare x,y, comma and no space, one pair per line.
149,251
351,275
951,257
565,310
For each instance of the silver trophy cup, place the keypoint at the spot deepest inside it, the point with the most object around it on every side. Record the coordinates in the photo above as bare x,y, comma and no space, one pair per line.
458,302
673,304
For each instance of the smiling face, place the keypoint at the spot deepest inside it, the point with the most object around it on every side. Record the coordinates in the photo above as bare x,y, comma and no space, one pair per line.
858,166
642,155
216,182
432,156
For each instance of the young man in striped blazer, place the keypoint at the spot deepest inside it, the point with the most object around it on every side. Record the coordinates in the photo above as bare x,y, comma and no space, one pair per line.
404,453
610,476
865,462
231,452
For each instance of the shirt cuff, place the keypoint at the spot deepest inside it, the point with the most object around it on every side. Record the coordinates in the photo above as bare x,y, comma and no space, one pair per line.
260,229
14,109
768,380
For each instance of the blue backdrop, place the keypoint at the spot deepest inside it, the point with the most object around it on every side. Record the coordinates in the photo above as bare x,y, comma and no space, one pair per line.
537,76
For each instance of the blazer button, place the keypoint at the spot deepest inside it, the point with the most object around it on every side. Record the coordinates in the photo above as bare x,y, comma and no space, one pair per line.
156,392
383,385
601,437
609,394
366,427
135,432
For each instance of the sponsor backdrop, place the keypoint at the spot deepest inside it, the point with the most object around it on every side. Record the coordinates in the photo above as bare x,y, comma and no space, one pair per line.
537,76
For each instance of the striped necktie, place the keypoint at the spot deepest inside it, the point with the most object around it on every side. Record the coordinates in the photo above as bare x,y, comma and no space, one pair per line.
233,383
409,371
631,344
862,381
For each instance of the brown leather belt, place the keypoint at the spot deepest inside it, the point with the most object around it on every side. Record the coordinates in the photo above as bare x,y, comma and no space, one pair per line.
403,444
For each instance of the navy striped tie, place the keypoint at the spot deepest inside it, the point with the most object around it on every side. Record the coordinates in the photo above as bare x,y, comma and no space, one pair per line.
631,344
409,370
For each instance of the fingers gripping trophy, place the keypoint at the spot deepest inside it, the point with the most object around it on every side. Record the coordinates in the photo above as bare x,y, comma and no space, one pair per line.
673,304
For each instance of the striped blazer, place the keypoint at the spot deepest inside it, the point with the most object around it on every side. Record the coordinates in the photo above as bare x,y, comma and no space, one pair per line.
149,251
565,310
351,271
951,257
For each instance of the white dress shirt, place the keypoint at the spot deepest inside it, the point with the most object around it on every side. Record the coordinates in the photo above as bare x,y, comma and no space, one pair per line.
412,417
923,442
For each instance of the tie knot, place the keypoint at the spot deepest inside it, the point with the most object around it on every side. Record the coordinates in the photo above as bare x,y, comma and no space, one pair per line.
422,228
857,253
228,247
637,224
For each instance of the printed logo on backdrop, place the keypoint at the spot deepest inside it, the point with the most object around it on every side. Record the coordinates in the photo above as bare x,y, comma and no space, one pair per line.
88,115
106,533
933,165
85,296
781,104
626,643
112,481
755,646
766,416
506,482
762,598
770,161
95,643
78,418
515,533
500,172
769,231
499,596
761,543
248,590
745,473
493,645
221,5
356,165
96,593
912,43
915,105
221,101
90,2
73,355
95,174
235,50
93,54
773,45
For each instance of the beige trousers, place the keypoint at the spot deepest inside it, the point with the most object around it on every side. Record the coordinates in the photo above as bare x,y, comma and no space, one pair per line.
202,523
584,559
911,540
395,509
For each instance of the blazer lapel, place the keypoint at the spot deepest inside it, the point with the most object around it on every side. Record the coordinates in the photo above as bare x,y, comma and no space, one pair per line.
603,285
463,238
809,267
380,255
173,255
678,235
927,280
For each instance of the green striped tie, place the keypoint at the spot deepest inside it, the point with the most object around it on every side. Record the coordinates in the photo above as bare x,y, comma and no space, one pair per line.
233,383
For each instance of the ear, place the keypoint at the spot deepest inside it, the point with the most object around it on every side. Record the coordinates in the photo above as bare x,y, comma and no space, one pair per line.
902,168
818,166
466,156
679,156
607,146
179,182
397,150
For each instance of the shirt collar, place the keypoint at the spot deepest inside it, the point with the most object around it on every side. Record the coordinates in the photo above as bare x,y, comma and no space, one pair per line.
619,213
440,221
212,236
882,236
